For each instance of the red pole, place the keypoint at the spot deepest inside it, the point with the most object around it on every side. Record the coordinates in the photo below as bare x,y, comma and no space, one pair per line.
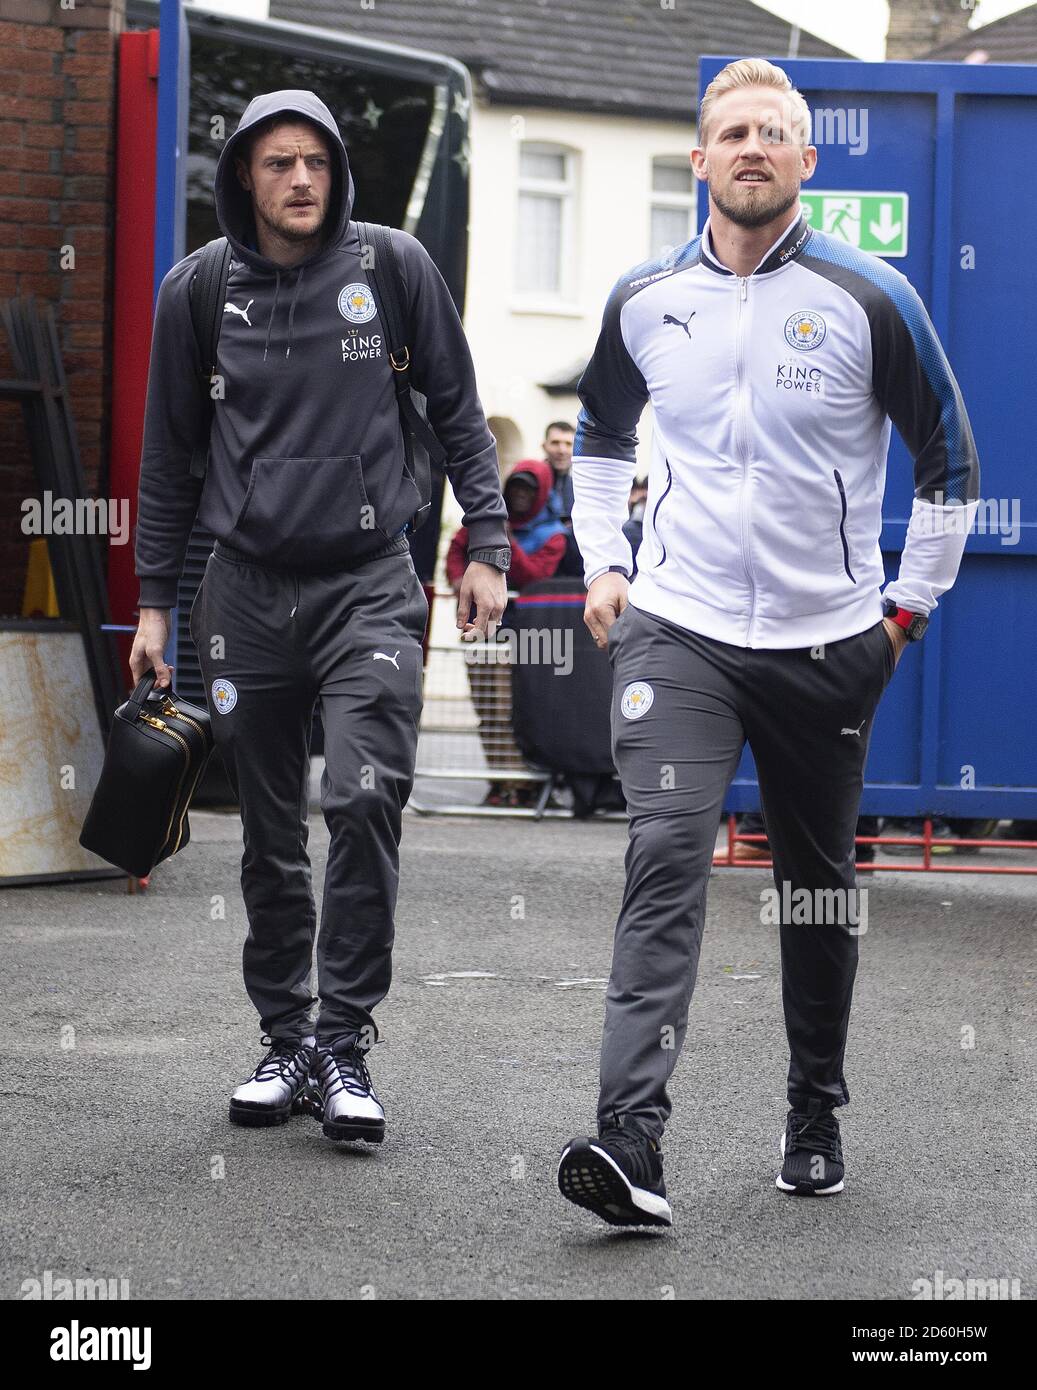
136,123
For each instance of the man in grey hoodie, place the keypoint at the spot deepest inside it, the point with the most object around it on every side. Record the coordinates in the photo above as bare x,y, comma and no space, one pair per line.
310,592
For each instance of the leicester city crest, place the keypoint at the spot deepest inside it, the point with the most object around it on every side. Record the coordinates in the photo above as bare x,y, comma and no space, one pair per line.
356,303
805,330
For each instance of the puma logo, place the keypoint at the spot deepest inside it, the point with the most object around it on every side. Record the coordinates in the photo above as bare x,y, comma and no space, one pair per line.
681,323
380,656
233,309
856,732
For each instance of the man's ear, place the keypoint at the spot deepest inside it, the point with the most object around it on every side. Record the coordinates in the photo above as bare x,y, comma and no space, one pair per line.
809,162
699,166
241,169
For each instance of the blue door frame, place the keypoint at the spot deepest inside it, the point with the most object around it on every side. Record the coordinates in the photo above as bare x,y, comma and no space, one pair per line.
956,732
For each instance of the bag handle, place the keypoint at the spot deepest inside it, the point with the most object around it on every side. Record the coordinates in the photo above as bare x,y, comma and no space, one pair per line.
143,689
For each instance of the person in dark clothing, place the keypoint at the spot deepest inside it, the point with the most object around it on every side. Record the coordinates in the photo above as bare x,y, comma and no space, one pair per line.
538,542
558,455
558,452
310,592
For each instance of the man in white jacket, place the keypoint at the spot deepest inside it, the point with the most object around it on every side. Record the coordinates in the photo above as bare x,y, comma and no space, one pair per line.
775,358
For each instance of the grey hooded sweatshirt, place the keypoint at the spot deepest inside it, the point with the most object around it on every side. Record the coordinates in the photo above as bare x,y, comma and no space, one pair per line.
306,455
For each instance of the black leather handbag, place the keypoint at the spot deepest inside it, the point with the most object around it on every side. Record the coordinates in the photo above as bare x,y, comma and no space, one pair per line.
157,751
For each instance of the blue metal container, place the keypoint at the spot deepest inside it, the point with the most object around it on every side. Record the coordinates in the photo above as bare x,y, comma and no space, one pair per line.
956,732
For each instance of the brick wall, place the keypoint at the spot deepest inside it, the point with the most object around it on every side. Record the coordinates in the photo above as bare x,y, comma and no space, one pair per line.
57,124
916,26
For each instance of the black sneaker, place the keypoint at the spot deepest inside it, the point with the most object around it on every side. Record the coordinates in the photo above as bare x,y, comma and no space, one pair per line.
272,1093
618,1176
812,1155
350,1109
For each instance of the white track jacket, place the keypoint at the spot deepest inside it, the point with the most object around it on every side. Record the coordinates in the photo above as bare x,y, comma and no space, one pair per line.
772,397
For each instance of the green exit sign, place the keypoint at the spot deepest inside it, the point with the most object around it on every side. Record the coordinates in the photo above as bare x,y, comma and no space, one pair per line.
875,222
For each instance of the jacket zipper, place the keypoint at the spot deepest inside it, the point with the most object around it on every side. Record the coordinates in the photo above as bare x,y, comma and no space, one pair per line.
295,576
655,513
842,525
743,442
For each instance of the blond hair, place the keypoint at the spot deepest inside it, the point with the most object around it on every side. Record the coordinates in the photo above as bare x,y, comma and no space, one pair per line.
756,72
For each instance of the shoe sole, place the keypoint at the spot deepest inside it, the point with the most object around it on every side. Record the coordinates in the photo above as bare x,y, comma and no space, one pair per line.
804,1189
369,1131
254,1116
589,1178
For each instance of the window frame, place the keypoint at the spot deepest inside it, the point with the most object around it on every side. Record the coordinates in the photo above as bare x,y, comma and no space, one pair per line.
566,190
663,199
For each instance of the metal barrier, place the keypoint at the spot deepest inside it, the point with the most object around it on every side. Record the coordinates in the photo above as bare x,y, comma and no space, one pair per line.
468,762
926,841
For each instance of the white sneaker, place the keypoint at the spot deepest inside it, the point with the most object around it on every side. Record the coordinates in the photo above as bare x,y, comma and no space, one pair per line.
351,1108
269,1095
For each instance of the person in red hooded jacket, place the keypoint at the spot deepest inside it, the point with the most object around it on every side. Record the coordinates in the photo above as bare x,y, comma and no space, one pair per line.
537,536
538,541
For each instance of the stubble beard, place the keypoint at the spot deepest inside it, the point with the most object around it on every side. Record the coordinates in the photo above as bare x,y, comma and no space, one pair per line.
757,212
289,231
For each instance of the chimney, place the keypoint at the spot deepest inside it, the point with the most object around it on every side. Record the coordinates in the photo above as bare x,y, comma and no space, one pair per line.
917,26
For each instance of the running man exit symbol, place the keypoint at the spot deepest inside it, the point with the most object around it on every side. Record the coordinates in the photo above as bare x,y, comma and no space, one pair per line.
875,222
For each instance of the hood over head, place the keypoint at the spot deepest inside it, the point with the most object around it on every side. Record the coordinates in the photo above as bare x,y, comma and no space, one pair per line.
234,203
537,473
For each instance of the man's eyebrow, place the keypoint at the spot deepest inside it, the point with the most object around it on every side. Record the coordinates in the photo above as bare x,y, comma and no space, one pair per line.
766,122
287,154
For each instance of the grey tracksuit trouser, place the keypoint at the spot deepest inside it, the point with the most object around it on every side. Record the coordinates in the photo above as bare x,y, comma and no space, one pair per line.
683,708
271,644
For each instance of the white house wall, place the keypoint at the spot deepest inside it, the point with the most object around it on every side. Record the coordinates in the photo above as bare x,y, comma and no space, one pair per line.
514,347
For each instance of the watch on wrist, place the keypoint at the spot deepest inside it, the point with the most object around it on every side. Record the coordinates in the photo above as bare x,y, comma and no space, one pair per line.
498,556
914,624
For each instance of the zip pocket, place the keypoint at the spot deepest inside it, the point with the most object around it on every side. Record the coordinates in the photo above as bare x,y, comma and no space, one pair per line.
842,526
655,513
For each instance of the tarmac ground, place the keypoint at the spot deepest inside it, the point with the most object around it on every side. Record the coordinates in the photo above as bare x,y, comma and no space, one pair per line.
125,1027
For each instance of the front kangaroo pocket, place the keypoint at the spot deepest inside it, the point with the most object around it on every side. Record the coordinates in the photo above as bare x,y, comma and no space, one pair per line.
306,511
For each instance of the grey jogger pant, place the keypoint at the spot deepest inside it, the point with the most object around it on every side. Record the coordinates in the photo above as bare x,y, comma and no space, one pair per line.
271,644
683,707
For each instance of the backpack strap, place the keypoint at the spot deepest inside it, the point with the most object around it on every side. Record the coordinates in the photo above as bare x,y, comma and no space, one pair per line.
208,294
391,299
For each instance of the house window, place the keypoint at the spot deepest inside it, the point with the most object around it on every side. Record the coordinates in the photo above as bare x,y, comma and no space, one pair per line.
673,203
547,190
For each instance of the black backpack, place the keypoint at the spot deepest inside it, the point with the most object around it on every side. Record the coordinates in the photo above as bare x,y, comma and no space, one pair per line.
209,293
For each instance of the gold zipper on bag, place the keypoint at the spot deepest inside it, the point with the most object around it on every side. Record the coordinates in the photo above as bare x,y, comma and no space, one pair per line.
183,813
169,708
157,723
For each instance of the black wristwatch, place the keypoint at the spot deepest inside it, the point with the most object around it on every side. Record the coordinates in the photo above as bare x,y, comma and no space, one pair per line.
498,556
913,624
